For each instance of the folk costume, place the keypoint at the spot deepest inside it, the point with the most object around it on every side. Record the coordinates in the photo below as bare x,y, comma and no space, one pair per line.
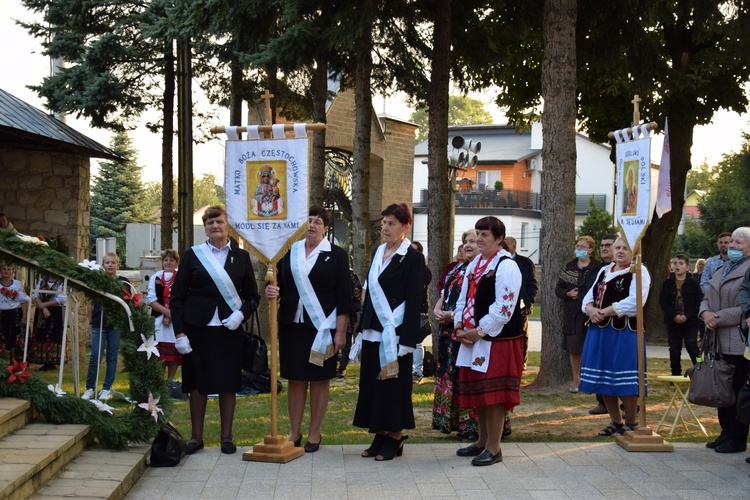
12,299
45,344
609,364
315,289
447,416
389,326
211,284
490,370
160,290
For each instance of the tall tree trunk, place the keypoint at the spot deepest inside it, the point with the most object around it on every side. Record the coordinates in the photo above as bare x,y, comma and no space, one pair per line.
320,97
167,142
235,96
361,150
660,234
558,177
439,210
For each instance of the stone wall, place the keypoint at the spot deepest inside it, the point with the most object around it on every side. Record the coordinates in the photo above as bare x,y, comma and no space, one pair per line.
47,193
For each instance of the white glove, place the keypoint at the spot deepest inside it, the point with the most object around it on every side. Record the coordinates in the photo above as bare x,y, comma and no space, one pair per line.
182,344
234,320
404,350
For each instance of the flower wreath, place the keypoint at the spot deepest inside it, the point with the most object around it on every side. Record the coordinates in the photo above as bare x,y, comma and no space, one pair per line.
113,430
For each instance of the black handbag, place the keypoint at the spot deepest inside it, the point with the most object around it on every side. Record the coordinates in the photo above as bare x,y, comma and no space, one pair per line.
168,447
254,349
711,379
743,403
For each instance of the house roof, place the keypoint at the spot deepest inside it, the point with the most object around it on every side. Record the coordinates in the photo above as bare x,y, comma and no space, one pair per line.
500,143
25,127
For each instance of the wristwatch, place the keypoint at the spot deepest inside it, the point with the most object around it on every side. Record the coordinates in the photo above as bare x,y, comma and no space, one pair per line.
480,332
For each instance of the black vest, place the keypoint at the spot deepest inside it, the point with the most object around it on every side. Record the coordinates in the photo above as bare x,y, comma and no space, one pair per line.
484,297
617,289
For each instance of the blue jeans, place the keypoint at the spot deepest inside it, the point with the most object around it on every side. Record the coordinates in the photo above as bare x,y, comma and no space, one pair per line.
110,339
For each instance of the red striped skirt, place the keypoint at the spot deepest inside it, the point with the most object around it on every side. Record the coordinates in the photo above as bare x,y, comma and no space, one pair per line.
502,382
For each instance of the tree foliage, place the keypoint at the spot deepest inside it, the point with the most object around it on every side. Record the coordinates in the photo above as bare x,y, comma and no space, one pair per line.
116,195
462,110
205,192
597,224
694,242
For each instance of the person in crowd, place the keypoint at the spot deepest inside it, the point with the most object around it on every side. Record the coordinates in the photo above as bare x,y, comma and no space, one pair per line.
490,326
351,326
158,298
460,259
388,335
213,294
314,283
418,370
605,252
104,335
447,416
700,264
680,299
716,262
569,284
609,365
6,224
45,345
720,310
14,309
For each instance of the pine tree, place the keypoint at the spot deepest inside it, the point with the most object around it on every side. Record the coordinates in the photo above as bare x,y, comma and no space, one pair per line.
116,196
597,224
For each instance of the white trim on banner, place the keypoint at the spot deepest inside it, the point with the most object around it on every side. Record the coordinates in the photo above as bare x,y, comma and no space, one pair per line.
633,200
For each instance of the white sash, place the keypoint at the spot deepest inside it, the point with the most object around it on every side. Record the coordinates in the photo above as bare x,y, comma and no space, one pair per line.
390,319
322,347
221,279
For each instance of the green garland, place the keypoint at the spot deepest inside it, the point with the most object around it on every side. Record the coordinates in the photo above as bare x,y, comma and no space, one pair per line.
145,375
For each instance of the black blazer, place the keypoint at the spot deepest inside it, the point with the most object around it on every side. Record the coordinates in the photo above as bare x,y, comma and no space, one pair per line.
692,295
329,277
529,284
195,296
401,281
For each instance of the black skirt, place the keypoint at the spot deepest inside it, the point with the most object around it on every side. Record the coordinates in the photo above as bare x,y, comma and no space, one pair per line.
215,365
384,405
295,342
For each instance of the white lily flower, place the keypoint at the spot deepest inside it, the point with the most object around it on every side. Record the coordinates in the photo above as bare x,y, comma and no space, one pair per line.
149,346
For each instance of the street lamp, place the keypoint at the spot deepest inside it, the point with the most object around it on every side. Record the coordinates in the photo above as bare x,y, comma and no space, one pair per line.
463,156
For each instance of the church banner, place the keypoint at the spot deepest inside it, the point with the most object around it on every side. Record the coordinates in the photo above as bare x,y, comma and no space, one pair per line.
633,199
266,187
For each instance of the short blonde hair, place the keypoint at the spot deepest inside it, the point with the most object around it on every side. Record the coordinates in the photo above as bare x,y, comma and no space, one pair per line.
589,240
113,255
467,233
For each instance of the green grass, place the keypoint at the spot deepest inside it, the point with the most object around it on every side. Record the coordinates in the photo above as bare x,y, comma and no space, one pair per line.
544,414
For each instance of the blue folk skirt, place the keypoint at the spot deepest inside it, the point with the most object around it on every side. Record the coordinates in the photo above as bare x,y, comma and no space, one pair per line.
609,364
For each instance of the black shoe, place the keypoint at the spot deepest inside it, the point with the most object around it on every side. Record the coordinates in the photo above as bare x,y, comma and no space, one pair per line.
598,410
730,446
392,447
377,443
313,447
298,442
716,442
194,446
47,367
487,458
341,374
470,451
228,447
747,460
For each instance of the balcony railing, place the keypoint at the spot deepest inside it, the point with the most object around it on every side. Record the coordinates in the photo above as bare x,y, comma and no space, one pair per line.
512,198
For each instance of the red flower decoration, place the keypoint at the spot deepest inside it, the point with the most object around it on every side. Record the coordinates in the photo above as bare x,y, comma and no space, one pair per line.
478,361
136,298
11,294
18,372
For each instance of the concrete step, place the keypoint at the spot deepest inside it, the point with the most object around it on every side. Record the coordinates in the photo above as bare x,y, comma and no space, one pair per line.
45,461
98,473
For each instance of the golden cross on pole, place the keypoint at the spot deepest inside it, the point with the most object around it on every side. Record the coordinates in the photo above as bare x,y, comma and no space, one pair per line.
267,96
636,112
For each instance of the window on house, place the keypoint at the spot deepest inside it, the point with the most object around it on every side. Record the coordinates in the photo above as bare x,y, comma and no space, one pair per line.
524,234
486,179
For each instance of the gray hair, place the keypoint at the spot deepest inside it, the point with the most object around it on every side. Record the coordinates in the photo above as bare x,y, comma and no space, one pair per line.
742,232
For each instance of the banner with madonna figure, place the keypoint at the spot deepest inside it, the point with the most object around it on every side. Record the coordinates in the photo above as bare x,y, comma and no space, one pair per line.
266,183
633,198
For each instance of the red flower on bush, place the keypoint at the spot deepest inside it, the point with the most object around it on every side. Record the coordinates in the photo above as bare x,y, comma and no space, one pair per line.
18,372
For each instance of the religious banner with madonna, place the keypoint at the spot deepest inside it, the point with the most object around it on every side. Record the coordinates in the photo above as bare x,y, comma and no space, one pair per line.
266,187
633,201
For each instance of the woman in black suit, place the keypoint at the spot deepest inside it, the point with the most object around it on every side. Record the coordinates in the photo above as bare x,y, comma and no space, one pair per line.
206,323
315,289
389,331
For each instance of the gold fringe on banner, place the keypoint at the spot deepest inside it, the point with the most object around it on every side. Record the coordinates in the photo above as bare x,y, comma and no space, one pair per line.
280,254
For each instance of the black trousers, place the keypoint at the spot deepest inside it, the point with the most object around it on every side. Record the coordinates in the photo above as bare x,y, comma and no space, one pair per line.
730,426
676,334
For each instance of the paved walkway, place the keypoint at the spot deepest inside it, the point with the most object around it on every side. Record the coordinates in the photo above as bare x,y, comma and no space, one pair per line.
528,470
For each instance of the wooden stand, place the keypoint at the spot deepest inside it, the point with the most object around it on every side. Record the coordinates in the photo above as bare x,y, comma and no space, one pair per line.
273,449
643,439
